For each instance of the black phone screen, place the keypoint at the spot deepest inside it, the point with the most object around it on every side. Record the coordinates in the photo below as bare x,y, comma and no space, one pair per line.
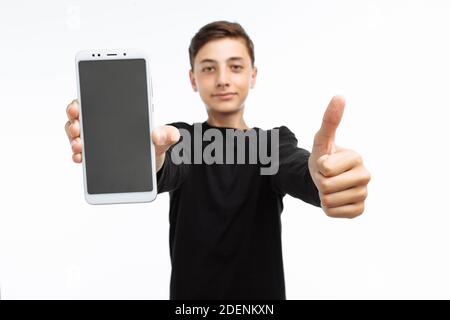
116,129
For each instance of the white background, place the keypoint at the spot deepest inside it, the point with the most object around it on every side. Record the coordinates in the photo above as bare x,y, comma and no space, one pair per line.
390,59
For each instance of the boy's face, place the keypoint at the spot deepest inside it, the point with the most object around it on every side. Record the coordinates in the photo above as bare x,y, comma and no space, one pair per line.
223,67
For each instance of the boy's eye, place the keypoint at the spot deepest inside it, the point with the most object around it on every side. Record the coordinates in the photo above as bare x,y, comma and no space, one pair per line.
236,67
208,69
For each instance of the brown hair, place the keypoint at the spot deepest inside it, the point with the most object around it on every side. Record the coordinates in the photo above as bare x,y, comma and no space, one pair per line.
219,30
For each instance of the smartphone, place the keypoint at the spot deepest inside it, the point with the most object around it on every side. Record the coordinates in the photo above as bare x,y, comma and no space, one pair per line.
116,120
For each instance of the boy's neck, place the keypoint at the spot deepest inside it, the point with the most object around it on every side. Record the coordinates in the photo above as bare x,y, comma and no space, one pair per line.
227,120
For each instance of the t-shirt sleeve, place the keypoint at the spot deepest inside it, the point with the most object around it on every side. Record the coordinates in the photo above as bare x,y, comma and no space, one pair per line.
171,176
293,176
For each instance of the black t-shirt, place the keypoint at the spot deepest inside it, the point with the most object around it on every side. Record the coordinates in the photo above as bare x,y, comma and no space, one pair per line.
225,219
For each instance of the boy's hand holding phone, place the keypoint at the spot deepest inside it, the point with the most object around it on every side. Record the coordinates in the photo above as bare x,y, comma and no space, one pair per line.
163,136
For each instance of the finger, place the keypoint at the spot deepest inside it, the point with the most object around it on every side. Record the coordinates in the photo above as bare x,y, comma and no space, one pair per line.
347,211
331,165
163,137
77,146
66,128
74,129
77,158
349,196
358,176
72,110
324,138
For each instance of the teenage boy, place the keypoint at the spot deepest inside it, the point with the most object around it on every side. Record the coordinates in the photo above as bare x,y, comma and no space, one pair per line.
225,218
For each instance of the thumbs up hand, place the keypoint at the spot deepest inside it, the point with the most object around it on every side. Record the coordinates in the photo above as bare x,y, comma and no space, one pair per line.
338,173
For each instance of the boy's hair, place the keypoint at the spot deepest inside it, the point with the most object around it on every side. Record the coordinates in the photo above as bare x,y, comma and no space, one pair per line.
219,30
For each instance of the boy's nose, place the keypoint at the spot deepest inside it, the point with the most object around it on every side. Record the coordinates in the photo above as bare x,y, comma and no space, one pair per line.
222,84
222,79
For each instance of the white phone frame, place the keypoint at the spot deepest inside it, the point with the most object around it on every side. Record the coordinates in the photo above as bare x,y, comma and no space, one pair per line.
116,54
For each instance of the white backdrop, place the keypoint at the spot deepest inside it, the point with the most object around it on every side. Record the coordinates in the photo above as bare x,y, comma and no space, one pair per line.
390,59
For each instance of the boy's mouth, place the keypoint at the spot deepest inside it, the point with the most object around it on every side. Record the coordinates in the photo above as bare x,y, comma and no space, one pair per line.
224,96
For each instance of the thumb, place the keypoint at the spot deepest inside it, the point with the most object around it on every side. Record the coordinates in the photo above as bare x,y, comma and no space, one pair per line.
324,138
163,137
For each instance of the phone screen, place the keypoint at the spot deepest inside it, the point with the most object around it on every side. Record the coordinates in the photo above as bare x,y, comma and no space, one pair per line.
116,129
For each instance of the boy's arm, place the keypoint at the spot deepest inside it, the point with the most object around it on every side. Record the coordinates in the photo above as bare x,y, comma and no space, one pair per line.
293,175
332,177
169,175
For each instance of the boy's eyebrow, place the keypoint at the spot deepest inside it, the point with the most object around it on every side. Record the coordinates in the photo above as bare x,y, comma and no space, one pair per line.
229,59
235,58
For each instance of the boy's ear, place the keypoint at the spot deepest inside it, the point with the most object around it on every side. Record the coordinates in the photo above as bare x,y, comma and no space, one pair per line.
193,84
253,80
